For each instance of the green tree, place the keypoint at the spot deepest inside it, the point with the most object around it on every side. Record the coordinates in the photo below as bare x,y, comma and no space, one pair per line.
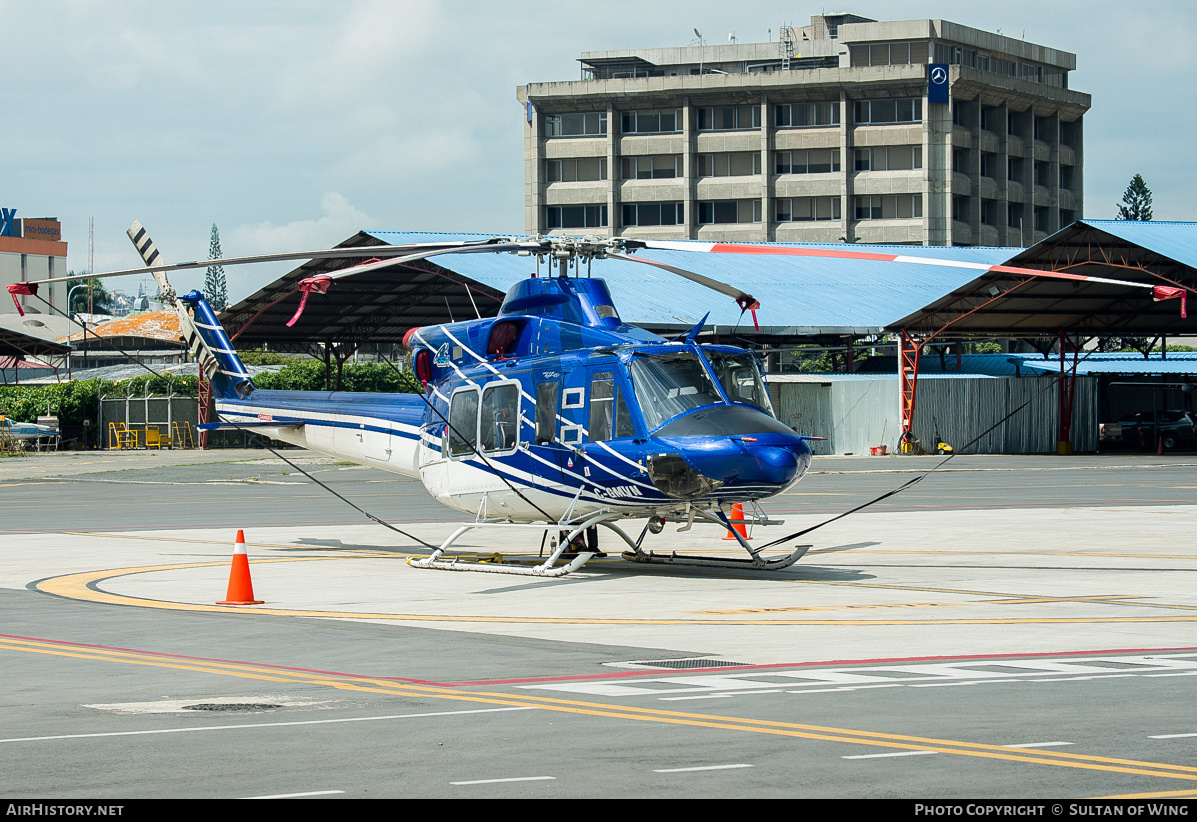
101,300
215,289
1136,201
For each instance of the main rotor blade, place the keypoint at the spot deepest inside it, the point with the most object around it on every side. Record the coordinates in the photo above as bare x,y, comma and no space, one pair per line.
375,265
792,251
321,254
745,300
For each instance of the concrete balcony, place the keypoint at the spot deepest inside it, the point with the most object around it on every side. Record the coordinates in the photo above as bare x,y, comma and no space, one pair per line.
731,188
651,191
641,144
576,193
718,141
806,185
560,148
961,184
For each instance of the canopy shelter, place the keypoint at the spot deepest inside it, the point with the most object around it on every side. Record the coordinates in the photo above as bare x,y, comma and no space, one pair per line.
16,346
1073,311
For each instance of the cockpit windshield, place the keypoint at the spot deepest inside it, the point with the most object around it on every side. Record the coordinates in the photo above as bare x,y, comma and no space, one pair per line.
670,384
740,379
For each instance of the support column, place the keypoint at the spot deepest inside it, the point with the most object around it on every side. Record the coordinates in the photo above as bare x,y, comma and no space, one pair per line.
1066,393
908,373
205,406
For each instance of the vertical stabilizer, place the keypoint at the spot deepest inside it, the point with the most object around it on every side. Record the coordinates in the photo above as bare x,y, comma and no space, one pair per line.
204,334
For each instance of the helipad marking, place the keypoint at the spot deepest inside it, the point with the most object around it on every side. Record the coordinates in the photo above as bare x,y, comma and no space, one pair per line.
84,586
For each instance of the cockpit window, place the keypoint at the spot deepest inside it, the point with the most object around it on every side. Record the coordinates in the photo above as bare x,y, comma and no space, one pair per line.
670,384
740,379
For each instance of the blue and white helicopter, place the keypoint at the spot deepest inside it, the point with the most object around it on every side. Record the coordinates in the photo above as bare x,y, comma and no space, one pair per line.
554,415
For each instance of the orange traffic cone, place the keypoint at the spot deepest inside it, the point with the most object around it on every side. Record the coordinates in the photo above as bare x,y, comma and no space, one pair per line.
241,589
737,522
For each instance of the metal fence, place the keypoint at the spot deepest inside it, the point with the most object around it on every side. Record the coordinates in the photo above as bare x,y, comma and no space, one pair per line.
856,413
136,411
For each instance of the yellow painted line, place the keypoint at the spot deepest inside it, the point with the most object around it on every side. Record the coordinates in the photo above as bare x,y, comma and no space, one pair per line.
1111,600
84,586
733,723
1159,795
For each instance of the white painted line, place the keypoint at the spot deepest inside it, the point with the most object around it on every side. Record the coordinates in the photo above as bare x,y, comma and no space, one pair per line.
1186,673
509,779
263,725
1038,745
719,696
890,755
295,795
1173,736
701,768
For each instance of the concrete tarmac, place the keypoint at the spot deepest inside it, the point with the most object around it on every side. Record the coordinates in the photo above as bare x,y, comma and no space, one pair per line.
1045,603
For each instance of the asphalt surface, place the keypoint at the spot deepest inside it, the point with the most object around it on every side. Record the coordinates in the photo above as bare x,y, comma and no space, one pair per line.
1012,628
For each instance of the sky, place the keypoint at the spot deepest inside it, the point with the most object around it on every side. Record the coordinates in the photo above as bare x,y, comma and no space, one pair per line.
292,125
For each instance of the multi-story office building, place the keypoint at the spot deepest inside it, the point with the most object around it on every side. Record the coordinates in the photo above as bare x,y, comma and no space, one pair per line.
834,133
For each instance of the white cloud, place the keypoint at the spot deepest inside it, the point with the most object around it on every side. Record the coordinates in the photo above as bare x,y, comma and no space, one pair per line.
339,221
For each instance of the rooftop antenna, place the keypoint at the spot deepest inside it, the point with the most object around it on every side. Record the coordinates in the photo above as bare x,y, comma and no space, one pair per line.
731,37
701,43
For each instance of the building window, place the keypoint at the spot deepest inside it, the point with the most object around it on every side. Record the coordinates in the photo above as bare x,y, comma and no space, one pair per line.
719,212
580,216
990,166
729,118
888,207
806,115
644,214
989,212
1067,177
889,54
960,160
806,209
656,121
1014,216
881,112
652,167
582,169
1014,169
807,161
730,164
960,208
1070,133
888,158
576,124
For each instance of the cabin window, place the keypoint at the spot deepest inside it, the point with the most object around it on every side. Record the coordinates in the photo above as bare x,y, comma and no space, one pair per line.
546,412
500,420
602,405
463,423
624,426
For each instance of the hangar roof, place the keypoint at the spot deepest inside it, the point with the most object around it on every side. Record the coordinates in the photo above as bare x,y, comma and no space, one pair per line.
1146,252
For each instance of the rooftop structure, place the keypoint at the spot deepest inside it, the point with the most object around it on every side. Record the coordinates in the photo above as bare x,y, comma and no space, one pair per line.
919,132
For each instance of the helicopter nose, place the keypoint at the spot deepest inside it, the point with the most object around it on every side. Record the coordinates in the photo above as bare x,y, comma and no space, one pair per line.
771,465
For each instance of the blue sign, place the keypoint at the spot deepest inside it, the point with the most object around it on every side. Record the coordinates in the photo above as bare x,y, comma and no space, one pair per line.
937,83
8,223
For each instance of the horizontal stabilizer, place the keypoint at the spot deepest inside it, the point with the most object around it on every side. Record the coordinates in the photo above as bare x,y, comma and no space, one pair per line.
278,422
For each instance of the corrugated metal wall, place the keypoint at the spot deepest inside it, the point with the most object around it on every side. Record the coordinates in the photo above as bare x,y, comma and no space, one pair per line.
855,414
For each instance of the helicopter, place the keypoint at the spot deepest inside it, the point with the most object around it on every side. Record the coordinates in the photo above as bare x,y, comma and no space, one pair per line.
554,415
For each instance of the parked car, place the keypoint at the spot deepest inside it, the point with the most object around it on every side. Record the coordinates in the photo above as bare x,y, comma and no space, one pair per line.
1175,428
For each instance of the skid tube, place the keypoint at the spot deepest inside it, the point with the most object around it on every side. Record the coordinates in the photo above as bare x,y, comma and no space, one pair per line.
754,560
548,568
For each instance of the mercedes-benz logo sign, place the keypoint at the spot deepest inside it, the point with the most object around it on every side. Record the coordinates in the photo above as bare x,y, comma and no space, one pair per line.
939,76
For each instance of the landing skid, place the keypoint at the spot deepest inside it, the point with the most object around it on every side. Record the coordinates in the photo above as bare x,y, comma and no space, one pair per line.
549,567
756,561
